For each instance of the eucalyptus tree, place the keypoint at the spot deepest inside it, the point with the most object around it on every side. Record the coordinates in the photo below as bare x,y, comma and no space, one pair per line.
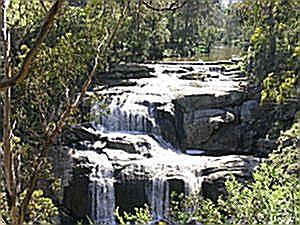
272,29
49,63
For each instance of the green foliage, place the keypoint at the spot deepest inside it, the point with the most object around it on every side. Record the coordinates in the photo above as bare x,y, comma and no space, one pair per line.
41,209
140,216
149,34
55,78
272,29
61,65
278,88
198,22
4,209
143,35
193,207
274,196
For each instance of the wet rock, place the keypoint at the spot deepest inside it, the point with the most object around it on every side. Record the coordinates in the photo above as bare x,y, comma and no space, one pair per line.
89,194
177,71
232,69
81,133
128,143
124,72
119,155
79,206
121,76
167,123
194,76
115,83
210,100
264,147
130,68
131,194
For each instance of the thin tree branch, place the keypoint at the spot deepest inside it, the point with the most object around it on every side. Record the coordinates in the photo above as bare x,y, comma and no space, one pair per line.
9,82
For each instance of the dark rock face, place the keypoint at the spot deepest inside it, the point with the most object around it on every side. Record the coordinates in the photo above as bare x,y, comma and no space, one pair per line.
76,192
78,206
131,194
167,122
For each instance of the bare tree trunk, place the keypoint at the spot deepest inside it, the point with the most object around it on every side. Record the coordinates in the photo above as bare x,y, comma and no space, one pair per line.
2,74
9,166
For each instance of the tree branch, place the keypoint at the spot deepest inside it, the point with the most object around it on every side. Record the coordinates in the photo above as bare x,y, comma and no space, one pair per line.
9,82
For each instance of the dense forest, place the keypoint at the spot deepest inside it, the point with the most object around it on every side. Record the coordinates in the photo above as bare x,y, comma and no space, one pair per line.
52,51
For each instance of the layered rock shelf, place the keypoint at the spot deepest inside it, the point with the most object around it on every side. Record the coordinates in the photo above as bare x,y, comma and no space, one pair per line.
176,126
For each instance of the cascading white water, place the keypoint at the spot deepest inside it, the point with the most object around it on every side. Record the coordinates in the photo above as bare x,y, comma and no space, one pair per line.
160,192
125,114
101,189
160,197
102,198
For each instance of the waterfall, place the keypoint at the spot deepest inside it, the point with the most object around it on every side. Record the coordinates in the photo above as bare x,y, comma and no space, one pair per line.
136,111
161,189
160,200
101,189
126,114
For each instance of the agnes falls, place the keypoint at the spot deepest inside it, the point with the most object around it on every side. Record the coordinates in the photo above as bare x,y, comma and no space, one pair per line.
167,127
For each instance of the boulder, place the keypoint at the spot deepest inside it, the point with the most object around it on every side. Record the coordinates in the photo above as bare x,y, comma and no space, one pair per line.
212,130
82,132
208,100
218,171
128,143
